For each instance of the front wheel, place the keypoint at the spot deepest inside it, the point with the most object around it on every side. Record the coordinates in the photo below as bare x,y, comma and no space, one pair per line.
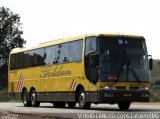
124,105
82,100
34,101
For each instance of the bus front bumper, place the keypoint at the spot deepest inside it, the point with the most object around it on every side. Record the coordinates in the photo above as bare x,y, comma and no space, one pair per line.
112,96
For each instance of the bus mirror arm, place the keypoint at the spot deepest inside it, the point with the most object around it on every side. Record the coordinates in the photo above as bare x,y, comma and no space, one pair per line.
150,56
150,62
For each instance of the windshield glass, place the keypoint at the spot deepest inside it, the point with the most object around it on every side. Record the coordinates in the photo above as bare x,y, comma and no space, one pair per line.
123,59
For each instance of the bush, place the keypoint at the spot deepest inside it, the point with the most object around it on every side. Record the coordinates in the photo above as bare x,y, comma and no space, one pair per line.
4,97
155,94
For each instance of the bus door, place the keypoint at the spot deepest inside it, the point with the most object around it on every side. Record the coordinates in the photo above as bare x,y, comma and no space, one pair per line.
91,70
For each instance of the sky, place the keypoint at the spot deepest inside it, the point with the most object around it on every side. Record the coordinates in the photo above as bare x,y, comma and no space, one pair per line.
45,20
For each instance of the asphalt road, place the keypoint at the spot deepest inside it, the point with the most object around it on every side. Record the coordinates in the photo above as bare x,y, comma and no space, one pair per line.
46,110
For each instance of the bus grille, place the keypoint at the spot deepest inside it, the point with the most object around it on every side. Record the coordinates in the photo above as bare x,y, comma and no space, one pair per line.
125,87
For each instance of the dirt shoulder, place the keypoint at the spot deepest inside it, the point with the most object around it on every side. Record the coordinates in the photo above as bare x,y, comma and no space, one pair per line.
13,115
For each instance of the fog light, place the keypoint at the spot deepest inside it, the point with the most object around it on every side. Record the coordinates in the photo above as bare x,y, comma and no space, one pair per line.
127,87
101,87
144,95
107,88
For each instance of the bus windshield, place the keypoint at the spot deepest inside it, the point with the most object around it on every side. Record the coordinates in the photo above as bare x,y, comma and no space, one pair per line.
123,59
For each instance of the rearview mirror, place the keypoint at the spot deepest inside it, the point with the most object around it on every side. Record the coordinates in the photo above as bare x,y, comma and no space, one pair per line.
94,60
150,63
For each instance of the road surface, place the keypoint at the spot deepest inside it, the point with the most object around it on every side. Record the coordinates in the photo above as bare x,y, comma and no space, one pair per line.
46,111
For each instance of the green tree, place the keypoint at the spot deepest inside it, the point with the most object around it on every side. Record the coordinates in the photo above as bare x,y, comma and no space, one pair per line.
10,37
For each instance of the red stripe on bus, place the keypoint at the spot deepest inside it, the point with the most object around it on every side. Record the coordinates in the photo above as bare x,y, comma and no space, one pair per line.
71,85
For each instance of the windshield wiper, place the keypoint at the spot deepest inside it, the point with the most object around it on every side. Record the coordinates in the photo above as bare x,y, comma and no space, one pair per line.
128,64
129,67
135,74
120,71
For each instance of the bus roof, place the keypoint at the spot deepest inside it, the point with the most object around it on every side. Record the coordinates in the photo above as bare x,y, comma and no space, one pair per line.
68,39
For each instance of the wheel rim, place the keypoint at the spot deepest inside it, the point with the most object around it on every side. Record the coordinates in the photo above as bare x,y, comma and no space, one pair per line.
82,99
33,98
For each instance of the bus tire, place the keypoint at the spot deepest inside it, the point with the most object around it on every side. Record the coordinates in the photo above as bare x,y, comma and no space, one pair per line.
34,101
25,98
71,104
59,104
82,100
124,105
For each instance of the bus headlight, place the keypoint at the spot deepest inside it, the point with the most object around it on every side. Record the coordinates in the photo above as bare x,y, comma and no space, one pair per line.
143,88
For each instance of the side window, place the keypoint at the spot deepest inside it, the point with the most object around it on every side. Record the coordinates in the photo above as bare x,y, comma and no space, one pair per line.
20,60
37,57
30,58
57,53
17,60
40,56
13,64
67,52
49,55
34,58
75,50
35,62
63,53
27,59
90,45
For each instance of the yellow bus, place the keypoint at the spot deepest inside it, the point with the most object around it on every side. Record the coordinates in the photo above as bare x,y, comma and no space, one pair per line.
92,68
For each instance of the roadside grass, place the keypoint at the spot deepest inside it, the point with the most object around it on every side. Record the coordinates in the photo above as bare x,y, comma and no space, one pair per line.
4,97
